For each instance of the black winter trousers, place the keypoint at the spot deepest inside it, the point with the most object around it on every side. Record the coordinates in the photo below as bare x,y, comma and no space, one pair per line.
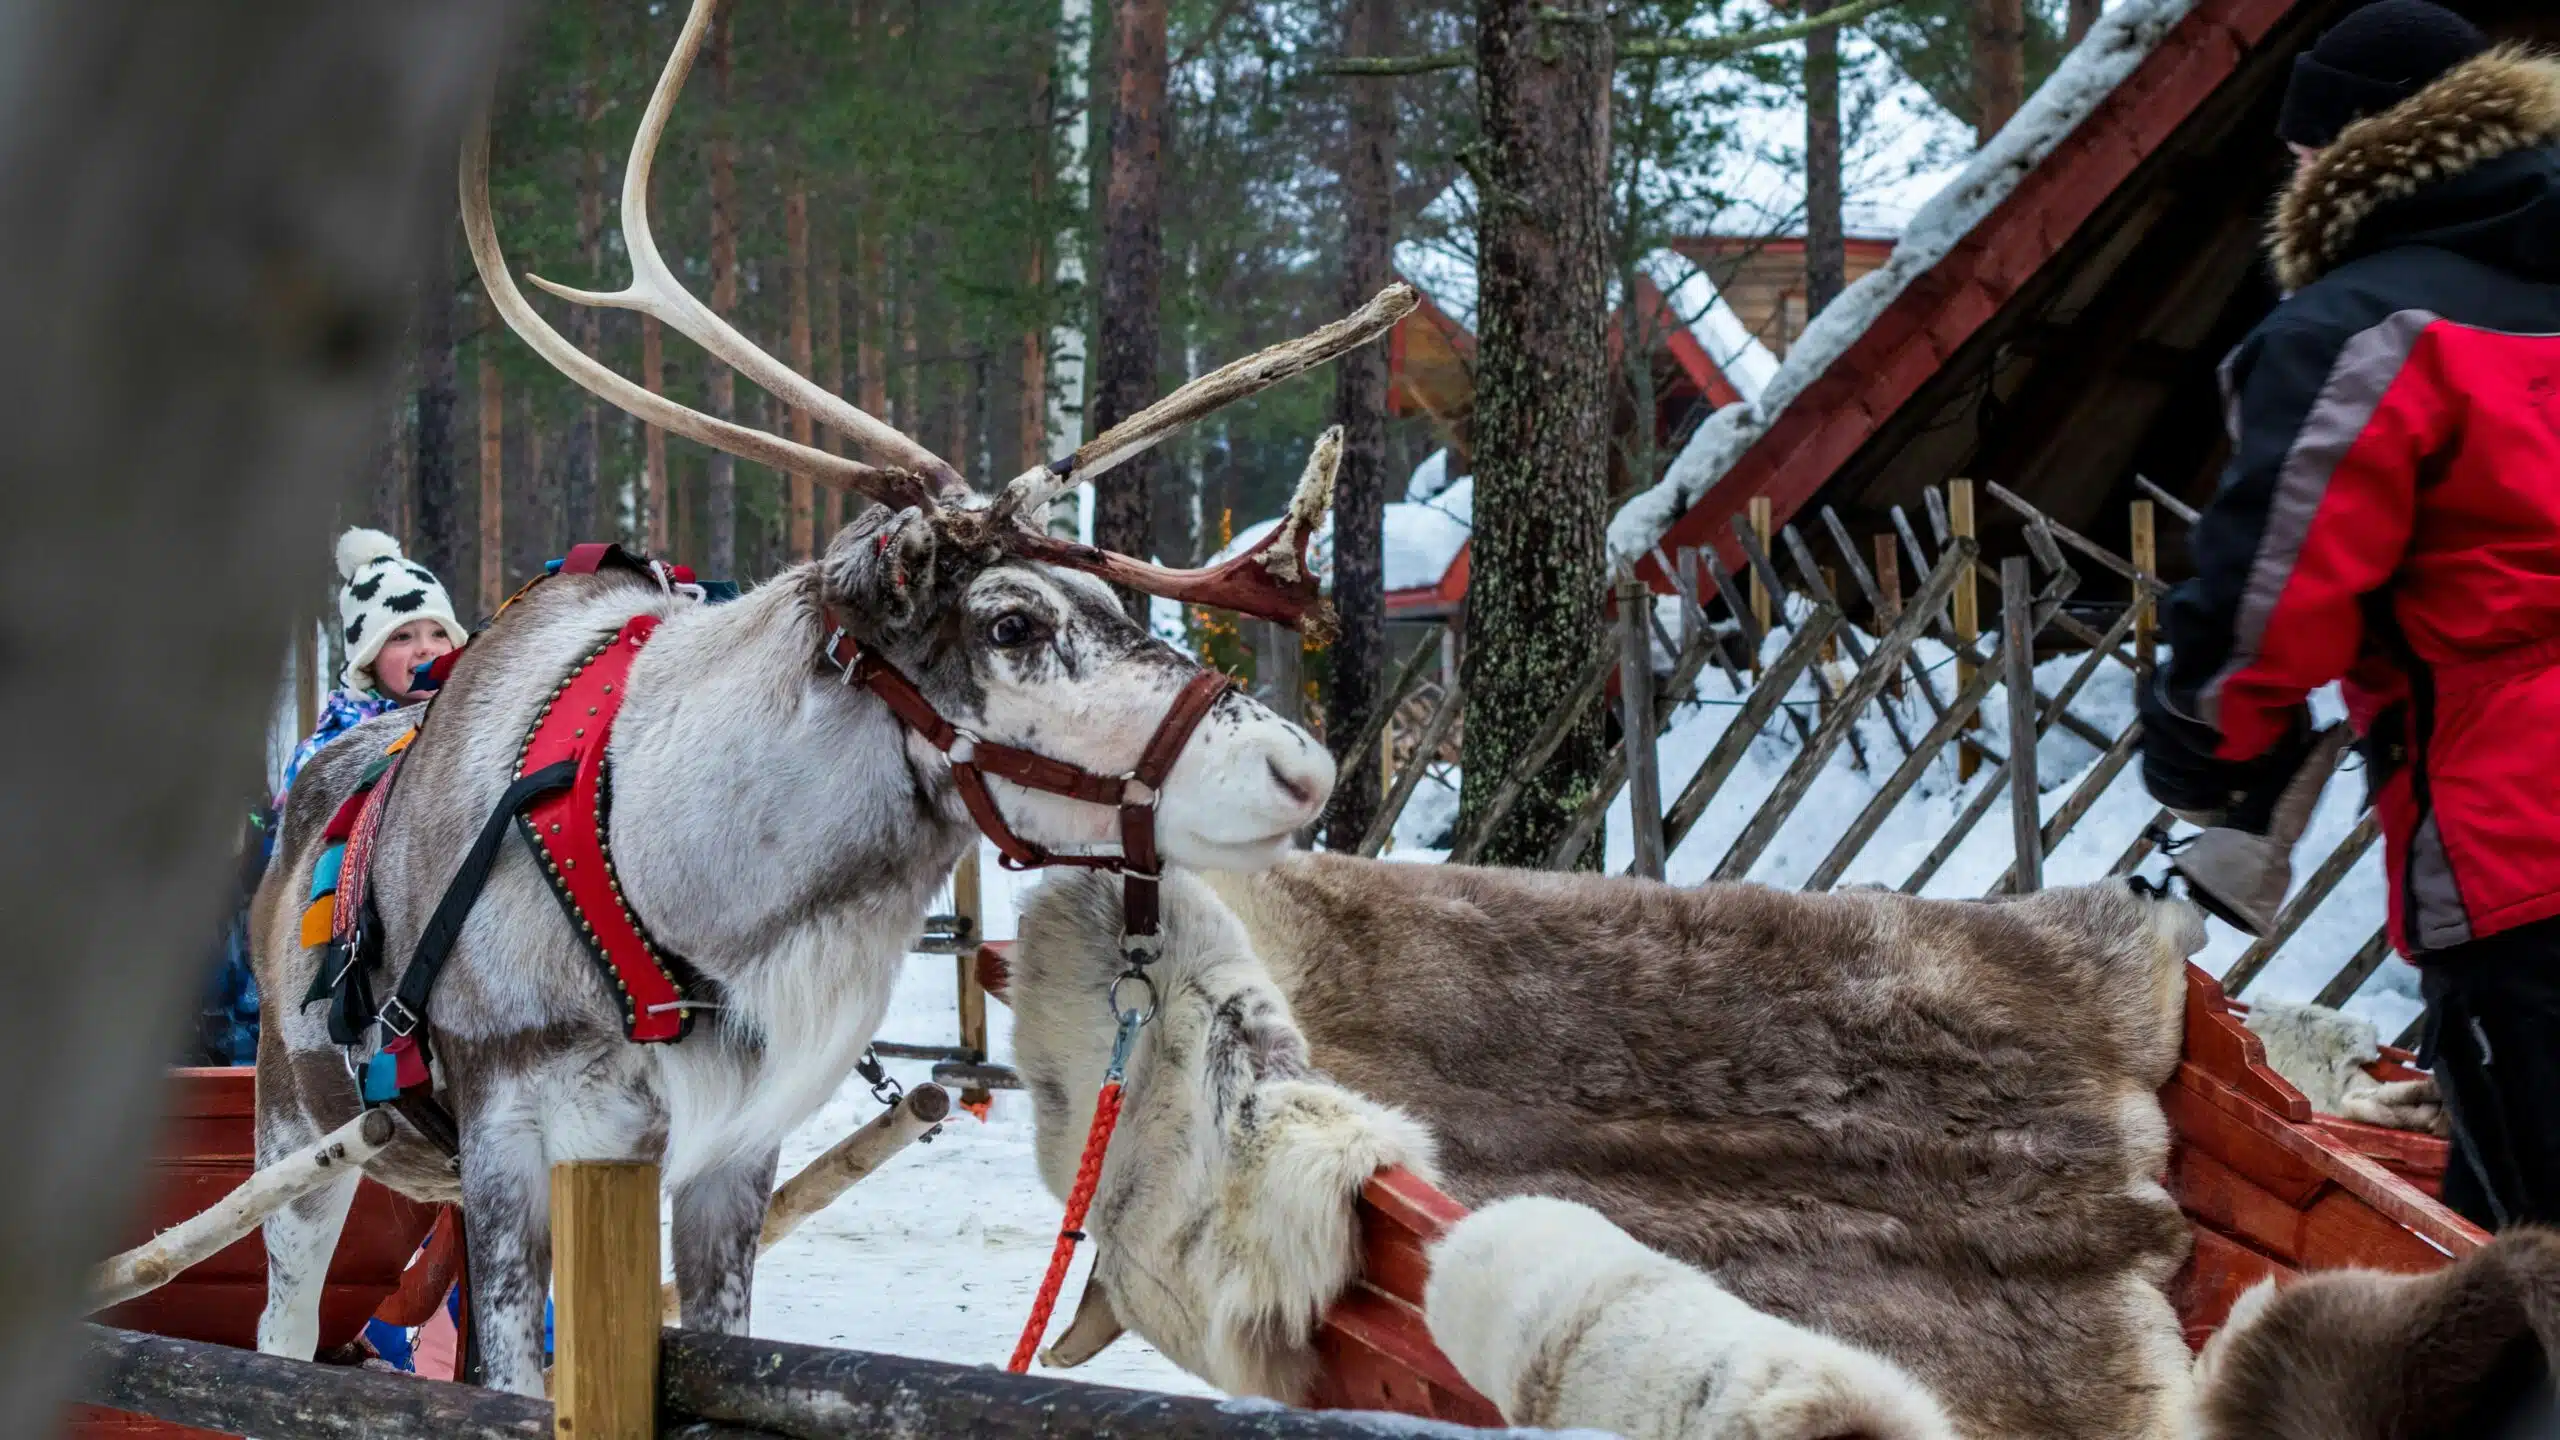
2492,1039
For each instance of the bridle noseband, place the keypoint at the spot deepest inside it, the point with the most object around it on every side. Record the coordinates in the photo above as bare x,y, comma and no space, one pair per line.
1134,794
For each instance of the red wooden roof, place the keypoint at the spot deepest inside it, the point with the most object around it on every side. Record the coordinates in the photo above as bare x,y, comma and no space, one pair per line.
1923,326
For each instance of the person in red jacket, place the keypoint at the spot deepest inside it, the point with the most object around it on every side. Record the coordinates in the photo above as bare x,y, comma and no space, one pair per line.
2391,519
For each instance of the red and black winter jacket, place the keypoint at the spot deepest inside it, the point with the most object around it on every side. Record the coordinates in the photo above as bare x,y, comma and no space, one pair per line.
2391,514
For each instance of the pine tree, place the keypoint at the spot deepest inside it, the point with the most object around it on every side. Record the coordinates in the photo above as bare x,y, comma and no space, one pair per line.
1132,274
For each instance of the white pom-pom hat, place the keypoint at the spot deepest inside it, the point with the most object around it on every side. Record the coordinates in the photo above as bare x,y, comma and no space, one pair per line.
384,590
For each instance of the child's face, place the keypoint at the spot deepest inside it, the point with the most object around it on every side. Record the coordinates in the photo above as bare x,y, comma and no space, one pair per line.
411,645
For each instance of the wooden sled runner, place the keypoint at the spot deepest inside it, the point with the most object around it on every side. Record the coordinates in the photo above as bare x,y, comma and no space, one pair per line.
2268,1187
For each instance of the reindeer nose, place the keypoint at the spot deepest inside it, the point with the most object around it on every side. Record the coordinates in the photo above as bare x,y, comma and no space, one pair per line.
1299,788
1302,771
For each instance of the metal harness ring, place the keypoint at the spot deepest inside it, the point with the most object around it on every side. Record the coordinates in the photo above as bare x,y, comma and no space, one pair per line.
1141,1015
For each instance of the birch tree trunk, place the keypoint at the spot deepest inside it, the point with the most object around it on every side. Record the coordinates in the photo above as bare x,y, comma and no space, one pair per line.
1132,275
1360,407
1826,246
437,474
719,558
1071,515
1541,419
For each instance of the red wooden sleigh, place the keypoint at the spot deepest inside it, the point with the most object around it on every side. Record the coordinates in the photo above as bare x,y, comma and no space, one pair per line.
2269,1188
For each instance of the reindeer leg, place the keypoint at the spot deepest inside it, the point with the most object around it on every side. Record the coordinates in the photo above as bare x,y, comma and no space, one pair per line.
506,1209
718,1215
300,1239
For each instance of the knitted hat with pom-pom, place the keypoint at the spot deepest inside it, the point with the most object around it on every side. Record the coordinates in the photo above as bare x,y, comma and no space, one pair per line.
384,590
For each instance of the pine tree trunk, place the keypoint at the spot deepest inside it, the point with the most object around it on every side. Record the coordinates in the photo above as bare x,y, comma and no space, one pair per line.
2083,14
831,375
1826,246
586,515
658,532
1360,407
871,360
1999,64
801,514
493,500
719,558
1541,414
436,470
1132,275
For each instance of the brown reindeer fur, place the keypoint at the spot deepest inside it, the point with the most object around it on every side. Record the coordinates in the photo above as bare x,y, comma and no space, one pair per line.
2362,1355
1923,1127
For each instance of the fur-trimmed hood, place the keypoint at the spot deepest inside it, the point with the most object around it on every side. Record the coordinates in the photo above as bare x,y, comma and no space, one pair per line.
2467,163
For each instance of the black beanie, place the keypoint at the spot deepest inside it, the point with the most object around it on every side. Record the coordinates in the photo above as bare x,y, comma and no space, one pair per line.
2369,62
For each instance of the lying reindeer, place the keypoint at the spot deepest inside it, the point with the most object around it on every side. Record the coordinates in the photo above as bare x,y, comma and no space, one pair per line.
780,825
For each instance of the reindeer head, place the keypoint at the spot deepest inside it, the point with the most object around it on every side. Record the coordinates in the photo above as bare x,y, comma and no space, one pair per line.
999,625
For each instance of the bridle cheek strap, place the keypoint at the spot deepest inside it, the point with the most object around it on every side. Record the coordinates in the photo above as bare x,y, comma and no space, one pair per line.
973,760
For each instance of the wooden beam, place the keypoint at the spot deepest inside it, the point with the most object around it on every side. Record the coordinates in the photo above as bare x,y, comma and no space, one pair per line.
2342,987
2299,909
1762,598
2018,642
967,904
802,1392
242,1392
604,1273
1434,732
1966,603
1635,711
2146,569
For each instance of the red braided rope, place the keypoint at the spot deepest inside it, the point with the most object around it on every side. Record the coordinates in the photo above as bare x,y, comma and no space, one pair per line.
1106,1114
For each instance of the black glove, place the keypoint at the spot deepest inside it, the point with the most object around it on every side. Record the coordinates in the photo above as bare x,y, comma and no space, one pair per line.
2182,772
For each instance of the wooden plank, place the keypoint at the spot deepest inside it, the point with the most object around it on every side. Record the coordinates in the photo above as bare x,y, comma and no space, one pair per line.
1751,630
967,903
2304,902
2018,642
2342,987
1434,732
1883,589
1373,731
1763,591
1585,822
2140,850
1966,612
1817,582
1827,695
1890,649
2185,512
1861,830
1635,711
2083,797
604,1271
2076,540
1755,713
2146,565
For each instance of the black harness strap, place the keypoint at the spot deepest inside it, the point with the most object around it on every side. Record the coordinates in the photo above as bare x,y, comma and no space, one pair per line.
435,943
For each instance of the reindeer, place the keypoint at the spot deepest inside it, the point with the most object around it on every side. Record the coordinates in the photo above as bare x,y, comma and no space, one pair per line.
774,821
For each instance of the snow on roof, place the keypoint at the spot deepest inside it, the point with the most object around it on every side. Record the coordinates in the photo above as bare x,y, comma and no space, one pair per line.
2121,40
1422,539
1695,302
1430,477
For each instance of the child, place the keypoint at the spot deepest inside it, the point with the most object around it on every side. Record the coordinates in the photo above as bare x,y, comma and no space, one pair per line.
395,616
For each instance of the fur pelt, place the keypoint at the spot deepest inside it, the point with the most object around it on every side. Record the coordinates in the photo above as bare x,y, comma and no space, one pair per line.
2322,1053
1561,1318
2493,105
1223,1224
2465,1352
1927,1128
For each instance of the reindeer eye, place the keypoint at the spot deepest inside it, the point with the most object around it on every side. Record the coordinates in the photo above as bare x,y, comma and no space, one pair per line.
1014,630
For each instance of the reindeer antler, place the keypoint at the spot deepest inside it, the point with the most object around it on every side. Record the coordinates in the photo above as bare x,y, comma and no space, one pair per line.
654,289
1271,581
894,488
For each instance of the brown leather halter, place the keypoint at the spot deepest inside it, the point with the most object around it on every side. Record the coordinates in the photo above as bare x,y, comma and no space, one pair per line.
973,759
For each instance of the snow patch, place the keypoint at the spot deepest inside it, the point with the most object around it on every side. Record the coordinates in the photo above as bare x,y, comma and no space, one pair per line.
2117,44
1422,540
1696,303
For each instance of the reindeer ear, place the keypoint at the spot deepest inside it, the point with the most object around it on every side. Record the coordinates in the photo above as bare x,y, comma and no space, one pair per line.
881,567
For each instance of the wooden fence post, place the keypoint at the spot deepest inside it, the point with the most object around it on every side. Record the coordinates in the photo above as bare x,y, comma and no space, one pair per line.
2018,649
1635,712
1968,611
2146,569
967,903
604,1271
1762,524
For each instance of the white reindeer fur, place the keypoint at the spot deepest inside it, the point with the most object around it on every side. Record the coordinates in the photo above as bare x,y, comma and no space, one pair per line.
1223,1225
2322,1053
1561,1318
780,830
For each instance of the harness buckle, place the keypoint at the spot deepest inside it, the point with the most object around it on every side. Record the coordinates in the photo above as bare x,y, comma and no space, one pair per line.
844,667
1151,946
1136,794
384,1017
964,745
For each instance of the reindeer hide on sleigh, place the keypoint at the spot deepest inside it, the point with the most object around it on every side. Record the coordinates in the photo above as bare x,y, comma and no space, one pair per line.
1925,1129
